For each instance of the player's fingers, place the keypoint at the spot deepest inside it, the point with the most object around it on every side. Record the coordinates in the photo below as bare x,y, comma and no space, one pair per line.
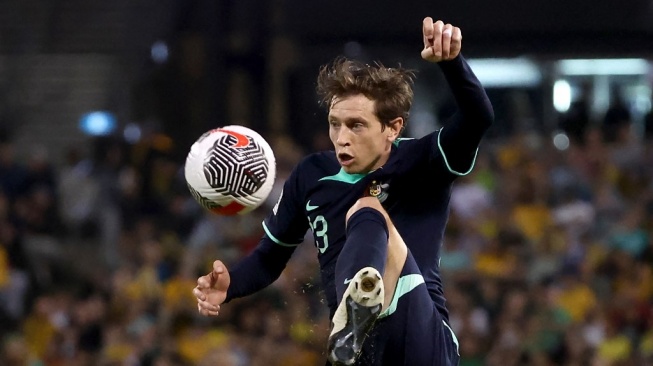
447,32
213,278
427,31
206,312
437,38
199,294
427,53
204,282
456,42
218,267
205,305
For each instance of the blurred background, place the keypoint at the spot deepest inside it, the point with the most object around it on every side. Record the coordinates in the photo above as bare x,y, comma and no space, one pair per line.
548,257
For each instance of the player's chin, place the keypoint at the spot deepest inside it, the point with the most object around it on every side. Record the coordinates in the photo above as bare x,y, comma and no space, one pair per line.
351,169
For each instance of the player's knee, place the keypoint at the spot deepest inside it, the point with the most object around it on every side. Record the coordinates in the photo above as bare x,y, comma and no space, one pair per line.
371,202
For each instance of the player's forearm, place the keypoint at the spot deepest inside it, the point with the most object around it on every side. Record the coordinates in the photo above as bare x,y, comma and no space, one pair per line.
473,103
259,269
462,133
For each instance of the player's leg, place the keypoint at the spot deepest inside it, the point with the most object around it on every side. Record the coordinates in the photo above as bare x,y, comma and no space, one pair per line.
411,330
427,339
412,327
366,276
372,241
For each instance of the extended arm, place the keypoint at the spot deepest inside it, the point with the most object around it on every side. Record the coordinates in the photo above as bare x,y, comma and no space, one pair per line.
284,231
258,269
462,133
253,273
459,139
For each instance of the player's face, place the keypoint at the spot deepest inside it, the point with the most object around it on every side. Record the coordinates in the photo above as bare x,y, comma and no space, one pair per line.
355,131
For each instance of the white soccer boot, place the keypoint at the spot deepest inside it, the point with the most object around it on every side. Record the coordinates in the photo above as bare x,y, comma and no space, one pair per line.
355,316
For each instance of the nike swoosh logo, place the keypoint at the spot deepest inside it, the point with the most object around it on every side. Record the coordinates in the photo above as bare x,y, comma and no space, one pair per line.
241,140
347,280
310,207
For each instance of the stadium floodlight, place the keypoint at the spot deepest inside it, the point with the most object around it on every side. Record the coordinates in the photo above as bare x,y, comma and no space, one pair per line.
616,66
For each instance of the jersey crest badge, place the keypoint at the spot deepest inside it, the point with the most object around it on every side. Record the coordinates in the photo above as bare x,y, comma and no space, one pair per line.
379,190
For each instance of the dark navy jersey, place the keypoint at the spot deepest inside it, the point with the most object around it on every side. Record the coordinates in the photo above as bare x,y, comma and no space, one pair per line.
414,187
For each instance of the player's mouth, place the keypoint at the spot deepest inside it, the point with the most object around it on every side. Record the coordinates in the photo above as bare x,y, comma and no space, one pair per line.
345,159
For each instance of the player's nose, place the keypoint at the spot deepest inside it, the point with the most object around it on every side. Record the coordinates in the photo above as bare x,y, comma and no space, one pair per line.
343,138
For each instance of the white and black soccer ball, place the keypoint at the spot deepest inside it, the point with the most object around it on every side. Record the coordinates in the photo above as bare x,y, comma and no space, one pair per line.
230,170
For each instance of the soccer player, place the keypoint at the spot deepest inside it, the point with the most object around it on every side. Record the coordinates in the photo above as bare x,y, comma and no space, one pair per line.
377,207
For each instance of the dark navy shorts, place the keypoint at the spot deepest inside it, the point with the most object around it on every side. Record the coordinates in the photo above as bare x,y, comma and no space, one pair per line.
411,332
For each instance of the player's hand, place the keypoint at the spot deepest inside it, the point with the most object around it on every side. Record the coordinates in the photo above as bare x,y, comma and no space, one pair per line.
211,290
442,42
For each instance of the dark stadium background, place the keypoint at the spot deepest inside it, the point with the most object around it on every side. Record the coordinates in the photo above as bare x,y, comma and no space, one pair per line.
549,252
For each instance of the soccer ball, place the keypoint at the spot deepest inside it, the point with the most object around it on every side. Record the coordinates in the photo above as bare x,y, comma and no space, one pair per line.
230,170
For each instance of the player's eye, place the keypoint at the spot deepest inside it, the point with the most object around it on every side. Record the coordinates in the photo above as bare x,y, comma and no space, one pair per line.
334,124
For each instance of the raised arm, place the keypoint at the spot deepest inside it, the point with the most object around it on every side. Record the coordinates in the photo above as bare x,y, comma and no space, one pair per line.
462,133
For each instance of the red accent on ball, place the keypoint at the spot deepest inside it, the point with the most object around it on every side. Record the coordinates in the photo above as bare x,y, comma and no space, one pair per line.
241,140
231,209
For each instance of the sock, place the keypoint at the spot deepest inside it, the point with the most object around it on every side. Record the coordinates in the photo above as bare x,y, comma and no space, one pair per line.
366,246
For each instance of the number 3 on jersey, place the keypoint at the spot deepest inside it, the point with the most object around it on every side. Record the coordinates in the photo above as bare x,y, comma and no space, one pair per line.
320,227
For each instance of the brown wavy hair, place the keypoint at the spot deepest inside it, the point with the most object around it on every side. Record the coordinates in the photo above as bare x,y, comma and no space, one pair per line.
390,88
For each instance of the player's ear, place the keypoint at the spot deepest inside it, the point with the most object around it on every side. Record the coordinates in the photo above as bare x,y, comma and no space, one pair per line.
394,128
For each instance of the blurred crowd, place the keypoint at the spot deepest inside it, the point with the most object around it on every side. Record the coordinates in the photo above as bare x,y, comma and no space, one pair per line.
548,258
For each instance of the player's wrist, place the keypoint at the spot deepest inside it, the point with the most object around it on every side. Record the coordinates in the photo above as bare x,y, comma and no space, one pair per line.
452,63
